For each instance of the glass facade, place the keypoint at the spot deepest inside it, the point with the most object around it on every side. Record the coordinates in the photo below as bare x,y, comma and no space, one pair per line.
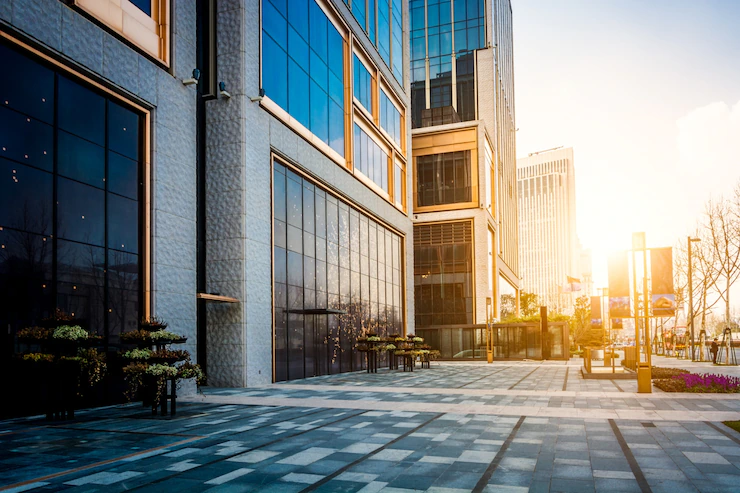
452,31
329,256
70,201
389,29
443,273
443,179
363,85
390,118
303,66
144,5
370,159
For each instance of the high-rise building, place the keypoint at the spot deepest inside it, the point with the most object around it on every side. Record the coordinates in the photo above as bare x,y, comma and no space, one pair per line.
238,168
548,244
464,164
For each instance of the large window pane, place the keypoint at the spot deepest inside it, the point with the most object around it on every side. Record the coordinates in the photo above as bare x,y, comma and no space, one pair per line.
123,176
81,212
363,85
26,140
26,86
25,198
81,111
443,178
123,131
123,224
81,160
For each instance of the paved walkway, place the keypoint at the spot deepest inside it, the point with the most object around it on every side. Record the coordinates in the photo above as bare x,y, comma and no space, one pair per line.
509,427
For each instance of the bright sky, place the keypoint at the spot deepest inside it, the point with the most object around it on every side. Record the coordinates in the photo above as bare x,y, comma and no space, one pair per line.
648,95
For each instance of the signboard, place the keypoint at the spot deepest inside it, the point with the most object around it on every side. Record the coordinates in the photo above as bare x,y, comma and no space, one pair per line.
661,273
595,311
619,285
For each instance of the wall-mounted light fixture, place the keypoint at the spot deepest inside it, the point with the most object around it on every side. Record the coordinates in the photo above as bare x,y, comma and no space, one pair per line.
193,80
222,90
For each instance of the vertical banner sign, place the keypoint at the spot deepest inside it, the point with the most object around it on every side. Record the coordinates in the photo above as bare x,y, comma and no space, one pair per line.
619,285
661,273
596,312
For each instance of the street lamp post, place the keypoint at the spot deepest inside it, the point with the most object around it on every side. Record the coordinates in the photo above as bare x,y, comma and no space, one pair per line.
691,240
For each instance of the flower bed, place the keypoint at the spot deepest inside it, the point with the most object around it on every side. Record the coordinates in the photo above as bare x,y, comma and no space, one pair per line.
706,383
659,373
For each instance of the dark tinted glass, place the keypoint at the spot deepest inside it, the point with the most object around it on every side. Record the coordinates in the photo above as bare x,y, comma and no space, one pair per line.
81,111
25,198
26,86
81,160
443,178
123,224
123,176
26,140
81,212
123,131
144,5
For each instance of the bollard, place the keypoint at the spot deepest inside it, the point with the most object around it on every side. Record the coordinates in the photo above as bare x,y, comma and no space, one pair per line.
644,378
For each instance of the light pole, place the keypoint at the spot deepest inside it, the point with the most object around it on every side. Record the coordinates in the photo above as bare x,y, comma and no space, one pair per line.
691,240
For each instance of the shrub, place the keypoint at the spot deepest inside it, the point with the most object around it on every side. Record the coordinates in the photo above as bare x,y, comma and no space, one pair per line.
662,373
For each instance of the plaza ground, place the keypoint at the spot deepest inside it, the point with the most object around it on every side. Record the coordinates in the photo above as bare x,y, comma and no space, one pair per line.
509,427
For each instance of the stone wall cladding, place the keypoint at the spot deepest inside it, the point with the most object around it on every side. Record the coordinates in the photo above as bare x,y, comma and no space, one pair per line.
65,31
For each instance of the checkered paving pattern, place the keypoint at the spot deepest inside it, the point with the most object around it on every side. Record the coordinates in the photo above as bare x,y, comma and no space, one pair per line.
234,447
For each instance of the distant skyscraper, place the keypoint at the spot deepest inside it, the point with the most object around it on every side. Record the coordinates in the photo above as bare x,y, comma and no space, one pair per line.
548,246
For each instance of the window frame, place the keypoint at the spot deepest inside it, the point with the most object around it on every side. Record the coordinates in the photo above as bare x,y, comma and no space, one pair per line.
150,34
145,202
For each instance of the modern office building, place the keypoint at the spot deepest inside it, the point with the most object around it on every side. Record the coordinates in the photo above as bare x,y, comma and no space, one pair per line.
548,244
464,168
238,168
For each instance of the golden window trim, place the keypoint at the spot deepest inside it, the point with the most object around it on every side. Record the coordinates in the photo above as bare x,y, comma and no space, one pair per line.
393,98
150,34
146,254
474,203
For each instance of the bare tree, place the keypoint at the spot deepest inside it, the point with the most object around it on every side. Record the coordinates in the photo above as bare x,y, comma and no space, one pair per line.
723,230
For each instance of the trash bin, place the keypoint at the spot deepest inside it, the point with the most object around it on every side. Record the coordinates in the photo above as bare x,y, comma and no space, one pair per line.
644,378
597,354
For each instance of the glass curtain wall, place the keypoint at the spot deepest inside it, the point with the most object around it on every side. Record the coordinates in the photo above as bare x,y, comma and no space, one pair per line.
329,256
443,273
70,201
303,67
389,40
443,179
452,30
370,159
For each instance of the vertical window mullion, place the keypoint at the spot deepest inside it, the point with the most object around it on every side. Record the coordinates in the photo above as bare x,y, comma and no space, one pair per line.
54,206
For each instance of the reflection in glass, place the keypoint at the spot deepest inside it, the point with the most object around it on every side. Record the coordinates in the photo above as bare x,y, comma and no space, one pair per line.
443,178
25,198
80,212
323,275
26,140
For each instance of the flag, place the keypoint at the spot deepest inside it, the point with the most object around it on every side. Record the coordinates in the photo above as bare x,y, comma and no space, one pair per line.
574,284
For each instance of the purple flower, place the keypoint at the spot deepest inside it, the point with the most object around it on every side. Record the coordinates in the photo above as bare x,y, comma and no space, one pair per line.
709,382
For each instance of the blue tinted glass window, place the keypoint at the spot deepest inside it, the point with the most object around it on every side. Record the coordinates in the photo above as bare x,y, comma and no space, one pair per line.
303,66
363,85
336,127
297,100
81,111
25,198
397,35
370,159
358,10
390,118
26,139
28,88
81,212
384,31
372,9
80,159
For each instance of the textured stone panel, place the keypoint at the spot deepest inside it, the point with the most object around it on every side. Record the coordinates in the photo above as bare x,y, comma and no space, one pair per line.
259,257
231,71
174,228
225,132
225,249
184,16
42,19
174,200
226,354
234,289
259,363
225,156
6,10
173,306
225,227
184,57
82,41
223,5
223,270
224,313
166,251
259,230
176,142
229,25
171,89
225,203
259,288
259,315
181,280
120,64
226,109
225,334
219,180
225,376
173,172
147,80
251,45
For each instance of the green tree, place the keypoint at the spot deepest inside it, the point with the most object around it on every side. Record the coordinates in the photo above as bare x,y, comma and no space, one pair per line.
529,304
580,322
